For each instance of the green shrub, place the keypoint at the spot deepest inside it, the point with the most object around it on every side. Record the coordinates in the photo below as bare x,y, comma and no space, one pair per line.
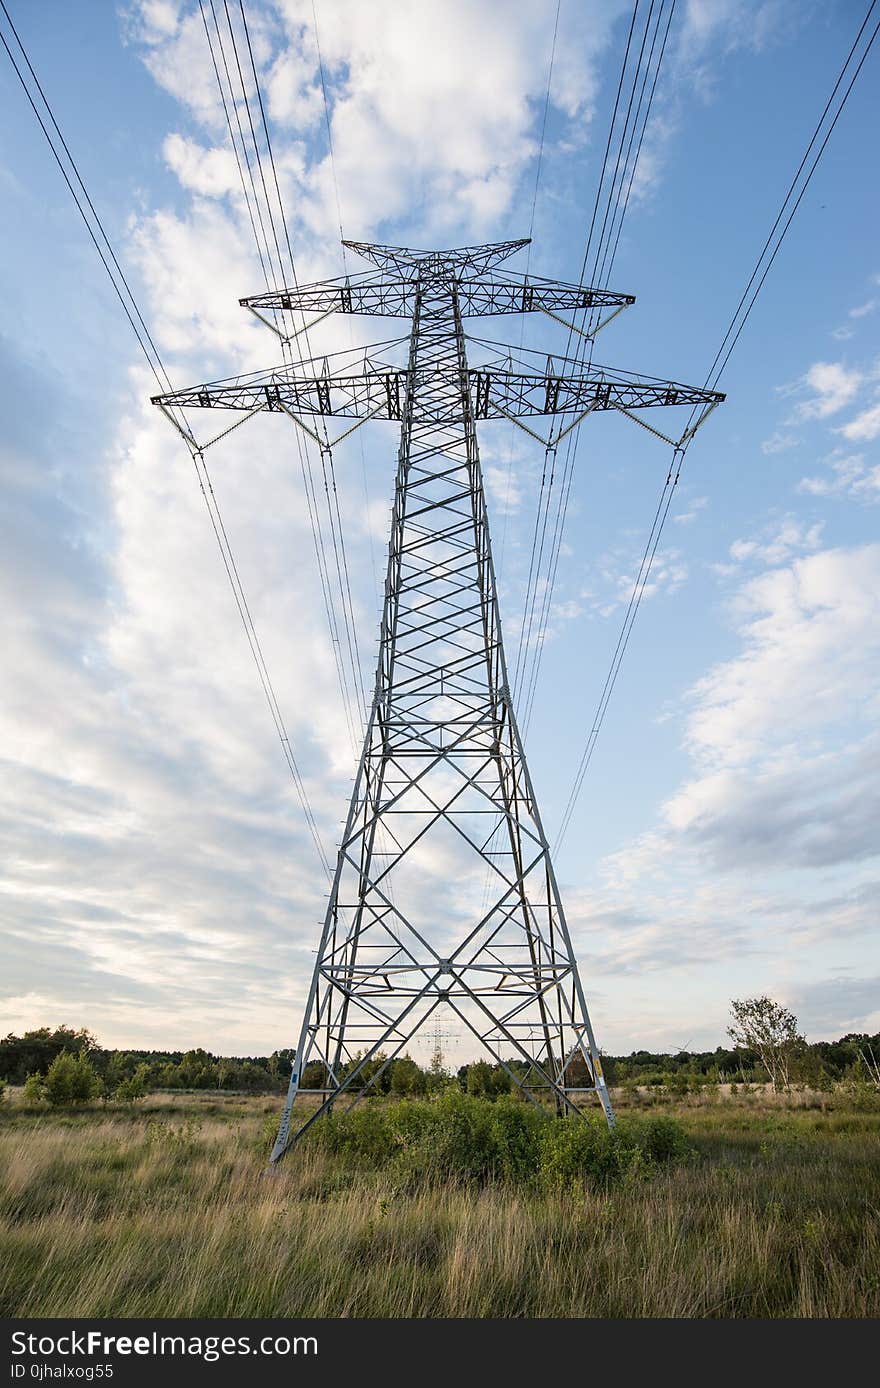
576,1150
517,1129
663,1140
70,1079
34,1089
2,1090
136,1087
455,1136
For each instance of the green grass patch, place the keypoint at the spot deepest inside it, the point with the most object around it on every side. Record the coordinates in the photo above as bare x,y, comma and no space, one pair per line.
450,1207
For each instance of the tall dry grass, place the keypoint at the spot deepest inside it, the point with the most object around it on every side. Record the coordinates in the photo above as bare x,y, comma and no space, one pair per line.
168,1212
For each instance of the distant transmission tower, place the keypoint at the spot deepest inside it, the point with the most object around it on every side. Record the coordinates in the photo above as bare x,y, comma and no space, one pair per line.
443,772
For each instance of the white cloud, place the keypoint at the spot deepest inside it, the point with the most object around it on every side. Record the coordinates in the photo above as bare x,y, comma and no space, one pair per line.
617,577
812,627
731,23
835,385
779,543
765,858
862,310
779,442
698,504
161,873
453,134
850,476
865,426
209,171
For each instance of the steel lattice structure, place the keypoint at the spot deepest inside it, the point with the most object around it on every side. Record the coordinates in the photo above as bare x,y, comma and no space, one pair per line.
443,761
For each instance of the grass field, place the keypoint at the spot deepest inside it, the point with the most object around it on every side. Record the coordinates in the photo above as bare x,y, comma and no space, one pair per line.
165,1211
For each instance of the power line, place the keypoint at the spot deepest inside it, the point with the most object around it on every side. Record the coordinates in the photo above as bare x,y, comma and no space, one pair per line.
608,144
98,235
268,146
791,187
614,190
543,125
633,163
329,129
538,170
640,76
267,215
244,151
336,530
544,500
127,300
722,357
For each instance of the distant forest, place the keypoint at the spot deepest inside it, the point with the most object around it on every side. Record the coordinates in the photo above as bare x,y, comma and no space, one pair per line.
819,1063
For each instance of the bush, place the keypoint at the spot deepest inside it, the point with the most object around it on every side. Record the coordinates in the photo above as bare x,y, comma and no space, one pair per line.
136,1087
487,1080
2,1090
70,1079
33,1089
574,1151
407,1077
459,1137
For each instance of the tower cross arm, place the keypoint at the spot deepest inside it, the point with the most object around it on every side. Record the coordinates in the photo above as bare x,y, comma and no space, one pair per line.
367,394
381,393
478,296
503,394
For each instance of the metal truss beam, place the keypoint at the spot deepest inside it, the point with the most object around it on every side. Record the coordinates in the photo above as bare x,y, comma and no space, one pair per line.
381,297
496,393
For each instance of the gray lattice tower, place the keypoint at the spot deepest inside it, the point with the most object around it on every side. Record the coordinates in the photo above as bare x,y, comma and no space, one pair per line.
443,778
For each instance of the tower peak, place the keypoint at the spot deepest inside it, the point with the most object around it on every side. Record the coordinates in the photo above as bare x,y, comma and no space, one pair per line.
417,263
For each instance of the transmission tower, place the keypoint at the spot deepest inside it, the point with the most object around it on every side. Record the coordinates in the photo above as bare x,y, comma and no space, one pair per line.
443,793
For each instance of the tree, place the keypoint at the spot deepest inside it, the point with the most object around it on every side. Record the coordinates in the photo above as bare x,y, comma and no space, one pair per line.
407,1077
34,1052
197,1070
70,1079
485,1080
33,1088
281,1062
771,1030
136,1087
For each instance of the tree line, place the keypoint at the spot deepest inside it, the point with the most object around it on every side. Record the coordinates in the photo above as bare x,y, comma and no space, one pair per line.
64,1065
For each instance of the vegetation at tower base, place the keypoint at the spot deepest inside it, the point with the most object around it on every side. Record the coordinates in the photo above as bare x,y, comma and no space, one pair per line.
458,1137
161,1210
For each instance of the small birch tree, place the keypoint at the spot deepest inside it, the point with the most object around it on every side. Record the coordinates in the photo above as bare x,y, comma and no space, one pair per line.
765,1026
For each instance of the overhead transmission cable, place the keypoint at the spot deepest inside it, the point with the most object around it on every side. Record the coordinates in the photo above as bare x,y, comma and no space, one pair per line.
622,139
271,274
359,702
511,428
271,213
332,492
356,706
632,161
329,128
544,498
85,206
531,642
764,262
539,164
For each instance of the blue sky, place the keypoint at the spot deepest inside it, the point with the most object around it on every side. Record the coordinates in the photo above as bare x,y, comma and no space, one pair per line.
157,880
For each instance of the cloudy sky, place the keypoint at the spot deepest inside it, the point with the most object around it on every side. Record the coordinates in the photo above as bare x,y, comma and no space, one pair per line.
157,880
